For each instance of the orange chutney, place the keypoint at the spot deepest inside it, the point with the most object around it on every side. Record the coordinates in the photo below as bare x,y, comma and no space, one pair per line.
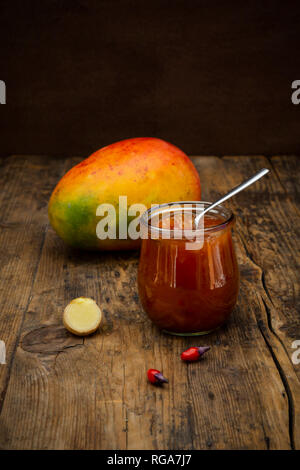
187,287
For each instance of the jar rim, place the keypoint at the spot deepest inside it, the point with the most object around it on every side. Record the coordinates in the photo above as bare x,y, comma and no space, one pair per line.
226,213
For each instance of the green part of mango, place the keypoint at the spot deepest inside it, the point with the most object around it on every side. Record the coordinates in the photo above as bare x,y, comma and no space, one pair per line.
76,221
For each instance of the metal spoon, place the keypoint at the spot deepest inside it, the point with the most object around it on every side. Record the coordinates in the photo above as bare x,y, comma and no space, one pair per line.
231,193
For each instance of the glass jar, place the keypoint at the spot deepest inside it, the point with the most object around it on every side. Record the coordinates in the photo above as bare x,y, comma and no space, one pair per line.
188,279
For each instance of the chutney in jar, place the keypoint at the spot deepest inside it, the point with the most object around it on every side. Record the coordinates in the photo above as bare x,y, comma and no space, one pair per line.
188,285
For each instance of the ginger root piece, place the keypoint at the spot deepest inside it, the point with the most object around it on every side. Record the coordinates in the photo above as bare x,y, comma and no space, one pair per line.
82,316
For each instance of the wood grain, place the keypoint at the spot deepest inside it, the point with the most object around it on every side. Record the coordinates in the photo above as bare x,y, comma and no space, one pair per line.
268,233
25,188
65,392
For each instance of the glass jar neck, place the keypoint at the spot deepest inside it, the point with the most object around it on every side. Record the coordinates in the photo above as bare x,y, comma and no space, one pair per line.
176,220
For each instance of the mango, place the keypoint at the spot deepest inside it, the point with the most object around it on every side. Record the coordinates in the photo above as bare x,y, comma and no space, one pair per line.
145,170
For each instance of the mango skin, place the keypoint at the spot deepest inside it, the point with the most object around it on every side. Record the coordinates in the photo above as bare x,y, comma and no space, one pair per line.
146,170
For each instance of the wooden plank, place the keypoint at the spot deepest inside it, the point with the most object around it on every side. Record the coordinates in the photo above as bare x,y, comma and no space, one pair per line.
69,393
267,232
25,188
286,168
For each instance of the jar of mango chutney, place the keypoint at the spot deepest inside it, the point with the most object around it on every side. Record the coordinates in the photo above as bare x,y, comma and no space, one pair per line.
188,278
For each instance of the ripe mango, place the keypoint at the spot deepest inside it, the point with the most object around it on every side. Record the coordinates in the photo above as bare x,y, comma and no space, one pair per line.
146,170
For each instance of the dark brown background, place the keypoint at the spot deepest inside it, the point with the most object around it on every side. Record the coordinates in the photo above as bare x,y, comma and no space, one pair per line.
213,77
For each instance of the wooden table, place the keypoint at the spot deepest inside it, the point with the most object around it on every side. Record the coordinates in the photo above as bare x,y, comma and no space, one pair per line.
60,391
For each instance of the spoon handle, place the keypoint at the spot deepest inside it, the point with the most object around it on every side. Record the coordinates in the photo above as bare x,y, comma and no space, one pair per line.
231,193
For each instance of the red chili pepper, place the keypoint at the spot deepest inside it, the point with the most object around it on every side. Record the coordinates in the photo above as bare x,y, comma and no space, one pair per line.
194,354
156,377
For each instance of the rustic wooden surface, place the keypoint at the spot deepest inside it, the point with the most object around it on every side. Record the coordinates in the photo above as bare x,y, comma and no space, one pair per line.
60,391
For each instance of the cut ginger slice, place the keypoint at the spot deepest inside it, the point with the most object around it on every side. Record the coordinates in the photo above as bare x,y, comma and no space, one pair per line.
82,316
